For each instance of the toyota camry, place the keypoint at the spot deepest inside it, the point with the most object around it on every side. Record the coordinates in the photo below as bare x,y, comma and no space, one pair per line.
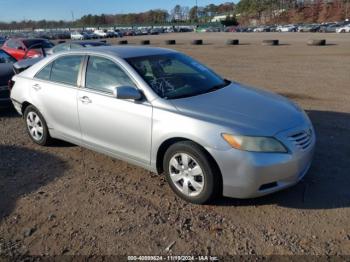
166,112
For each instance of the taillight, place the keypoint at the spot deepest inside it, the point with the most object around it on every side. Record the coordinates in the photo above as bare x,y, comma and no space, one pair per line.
11,83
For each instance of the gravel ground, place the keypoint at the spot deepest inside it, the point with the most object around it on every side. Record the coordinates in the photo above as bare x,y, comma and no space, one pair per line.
65,199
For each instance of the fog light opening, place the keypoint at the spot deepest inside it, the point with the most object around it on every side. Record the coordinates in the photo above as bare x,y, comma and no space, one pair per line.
268,186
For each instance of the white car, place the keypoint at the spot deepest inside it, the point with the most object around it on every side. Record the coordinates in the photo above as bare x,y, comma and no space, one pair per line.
286,28
343,29
100,33
76,36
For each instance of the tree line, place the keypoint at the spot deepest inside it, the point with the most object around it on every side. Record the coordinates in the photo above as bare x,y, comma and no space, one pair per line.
157,16
245,10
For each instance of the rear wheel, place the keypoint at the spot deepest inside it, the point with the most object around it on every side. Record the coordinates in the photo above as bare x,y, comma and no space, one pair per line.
191,173
36,126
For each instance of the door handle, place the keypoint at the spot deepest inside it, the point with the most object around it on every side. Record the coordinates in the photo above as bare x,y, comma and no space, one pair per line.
36,87
85,100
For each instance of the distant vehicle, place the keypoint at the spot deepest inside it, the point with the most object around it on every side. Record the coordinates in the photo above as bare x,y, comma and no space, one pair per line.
2,41
100,33
114,33
287,28
309,28
262,29
174,116
6,73
77,36
75,45
343,29
21,48
331,28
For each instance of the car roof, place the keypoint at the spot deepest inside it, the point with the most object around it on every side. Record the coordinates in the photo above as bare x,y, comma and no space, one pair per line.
128,51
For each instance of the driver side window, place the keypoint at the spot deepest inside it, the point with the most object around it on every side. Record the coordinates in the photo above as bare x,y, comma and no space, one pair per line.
104,75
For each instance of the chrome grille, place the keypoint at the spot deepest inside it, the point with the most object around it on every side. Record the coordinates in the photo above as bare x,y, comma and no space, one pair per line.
302,139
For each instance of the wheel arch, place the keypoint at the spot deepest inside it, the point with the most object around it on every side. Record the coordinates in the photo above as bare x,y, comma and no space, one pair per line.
25,104
169,142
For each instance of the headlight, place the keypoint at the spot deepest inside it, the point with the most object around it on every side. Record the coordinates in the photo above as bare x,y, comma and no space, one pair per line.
255,144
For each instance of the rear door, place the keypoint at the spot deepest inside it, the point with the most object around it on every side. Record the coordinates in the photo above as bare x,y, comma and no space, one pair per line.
54,91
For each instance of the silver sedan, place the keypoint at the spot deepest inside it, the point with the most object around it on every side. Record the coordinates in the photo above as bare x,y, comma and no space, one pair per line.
163,111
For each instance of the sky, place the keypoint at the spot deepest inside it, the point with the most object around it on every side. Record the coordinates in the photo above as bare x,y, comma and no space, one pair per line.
14,10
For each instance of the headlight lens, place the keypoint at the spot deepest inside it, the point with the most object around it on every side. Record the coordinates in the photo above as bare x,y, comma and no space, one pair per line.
255,144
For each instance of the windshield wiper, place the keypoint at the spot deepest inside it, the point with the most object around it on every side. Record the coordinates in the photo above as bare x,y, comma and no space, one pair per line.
217,87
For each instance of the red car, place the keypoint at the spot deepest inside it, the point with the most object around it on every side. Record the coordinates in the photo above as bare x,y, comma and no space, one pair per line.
21,48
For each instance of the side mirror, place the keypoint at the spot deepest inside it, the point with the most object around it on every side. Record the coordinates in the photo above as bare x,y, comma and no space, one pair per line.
127,92
20,48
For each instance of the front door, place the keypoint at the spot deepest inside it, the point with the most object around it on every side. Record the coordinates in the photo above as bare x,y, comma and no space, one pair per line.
121,127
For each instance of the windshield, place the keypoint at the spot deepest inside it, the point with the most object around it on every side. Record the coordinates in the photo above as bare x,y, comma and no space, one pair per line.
37,42
175,75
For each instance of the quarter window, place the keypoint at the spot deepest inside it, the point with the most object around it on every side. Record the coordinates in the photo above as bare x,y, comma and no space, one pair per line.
104,75
44,74
66,69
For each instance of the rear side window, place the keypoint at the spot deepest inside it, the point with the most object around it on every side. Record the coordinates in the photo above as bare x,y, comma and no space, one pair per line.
66,69
103,75
45,73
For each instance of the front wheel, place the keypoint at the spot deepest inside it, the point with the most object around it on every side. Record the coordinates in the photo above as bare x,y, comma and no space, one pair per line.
36,126
191,173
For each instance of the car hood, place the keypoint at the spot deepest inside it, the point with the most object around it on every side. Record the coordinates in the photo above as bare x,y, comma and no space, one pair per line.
245,110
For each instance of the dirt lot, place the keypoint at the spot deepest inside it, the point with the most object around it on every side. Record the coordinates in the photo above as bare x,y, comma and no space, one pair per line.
68,200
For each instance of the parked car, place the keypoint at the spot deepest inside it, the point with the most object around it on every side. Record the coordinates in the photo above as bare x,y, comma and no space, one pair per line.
100,33
2,41
6,73
78,36
164,111
309,28
331,28
343,29
262,29
287,28
21,48
75,45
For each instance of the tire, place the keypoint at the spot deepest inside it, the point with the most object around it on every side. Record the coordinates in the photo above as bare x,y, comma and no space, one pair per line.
40,135
197,42
170,42
313,42
145,42
232,42
123,42
270,42
203,185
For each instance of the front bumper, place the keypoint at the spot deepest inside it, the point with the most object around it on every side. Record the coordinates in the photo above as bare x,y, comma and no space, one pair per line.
251,174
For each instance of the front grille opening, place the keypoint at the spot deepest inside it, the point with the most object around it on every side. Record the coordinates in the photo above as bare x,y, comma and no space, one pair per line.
268,186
